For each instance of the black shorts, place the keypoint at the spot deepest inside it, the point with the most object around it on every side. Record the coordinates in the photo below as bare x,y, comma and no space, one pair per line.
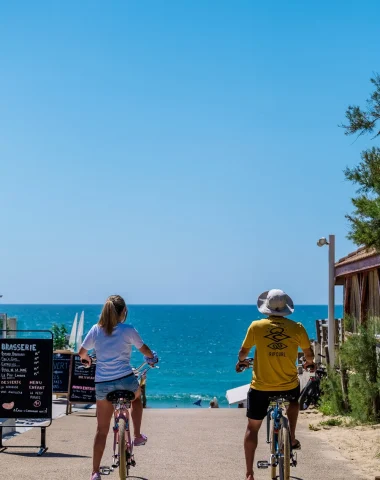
258,401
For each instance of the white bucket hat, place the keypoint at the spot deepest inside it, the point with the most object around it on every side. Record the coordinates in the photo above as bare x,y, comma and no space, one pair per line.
275,302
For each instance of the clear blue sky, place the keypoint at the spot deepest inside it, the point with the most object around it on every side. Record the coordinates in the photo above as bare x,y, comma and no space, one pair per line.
177,151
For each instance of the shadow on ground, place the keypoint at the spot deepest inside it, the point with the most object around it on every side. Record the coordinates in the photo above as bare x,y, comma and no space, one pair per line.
83,415
45,455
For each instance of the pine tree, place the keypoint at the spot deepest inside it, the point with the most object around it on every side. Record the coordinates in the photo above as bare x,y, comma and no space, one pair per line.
365,219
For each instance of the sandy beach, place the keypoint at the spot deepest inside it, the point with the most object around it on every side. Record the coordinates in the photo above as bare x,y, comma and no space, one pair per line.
359,445
183,444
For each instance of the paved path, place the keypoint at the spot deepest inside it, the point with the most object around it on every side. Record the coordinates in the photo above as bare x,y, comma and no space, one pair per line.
183,445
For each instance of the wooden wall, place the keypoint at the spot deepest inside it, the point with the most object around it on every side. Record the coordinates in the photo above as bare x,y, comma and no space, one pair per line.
362,296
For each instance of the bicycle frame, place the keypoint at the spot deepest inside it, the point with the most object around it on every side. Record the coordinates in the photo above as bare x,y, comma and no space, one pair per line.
275,413
121,410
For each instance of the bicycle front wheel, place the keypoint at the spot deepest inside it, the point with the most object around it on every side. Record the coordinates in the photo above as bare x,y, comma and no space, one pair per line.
123,467
284,444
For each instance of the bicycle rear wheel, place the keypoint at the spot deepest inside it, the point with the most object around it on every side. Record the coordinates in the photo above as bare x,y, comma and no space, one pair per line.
123,466
284,447
273,468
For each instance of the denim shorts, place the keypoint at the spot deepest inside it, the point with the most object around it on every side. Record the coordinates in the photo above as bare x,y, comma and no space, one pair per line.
102,389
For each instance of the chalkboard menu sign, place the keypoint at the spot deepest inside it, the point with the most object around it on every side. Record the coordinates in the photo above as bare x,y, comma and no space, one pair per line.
26,378
82,382
61,372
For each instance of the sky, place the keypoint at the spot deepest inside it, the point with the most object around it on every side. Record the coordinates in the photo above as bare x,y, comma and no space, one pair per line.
177,151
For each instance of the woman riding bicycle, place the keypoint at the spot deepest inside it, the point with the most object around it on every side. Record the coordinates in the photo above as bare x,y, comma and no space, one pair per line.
112,340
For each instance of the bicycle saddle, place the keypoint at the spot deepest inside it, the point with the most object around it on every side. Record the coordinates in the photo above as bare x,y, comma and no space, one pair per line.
118,394
286,398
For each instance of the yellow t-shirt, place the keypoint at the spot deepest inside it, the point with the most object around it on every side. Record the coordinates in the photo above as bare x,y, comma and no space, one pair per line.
277,340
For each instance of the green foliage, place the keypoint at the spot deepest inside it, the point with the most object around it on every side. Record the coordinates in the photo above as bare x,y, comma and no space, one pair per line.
349,323
59,337
364,121
332,399
359,355
373,325
365,219
313,428
331,422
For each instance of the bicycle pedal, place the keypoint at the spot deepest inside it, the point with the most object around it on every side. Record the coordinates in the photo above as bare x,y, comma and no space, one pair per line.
262,464
106,470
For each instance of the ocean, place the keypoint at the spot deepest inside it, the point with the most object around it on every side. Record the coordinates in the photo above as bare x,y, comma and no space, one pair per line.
197,345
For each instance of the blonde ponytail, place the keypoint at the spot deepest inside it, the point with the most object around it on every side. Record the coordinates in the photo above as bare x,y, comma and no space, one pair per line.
111,313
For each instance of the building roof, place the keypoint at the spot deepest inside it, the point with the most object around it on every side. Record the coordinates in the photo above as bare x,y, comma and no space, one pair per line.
358,261
359,254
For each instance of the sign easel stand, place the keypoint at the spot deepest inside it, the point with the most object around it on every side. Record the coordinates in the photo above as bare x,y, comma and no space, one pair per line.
49,367
69,407
70,400
42,446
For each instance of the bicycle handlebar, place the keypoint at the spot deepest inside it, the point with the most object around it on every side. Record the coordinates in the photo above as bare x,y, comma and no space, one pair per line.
247,363
138,370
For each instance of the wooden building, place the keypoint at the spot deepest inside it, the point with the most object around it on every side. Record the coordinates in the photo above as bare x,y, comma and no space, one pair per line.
359,274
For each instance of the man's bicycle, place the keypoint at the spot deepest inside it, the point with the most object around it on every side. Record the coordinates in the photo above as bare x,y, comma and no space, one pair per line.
278,436
123,456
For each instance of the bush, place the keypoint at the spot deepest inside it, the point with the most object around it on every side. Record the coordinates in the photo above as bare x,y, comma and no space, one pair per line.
373,325
349,323
359,355
60,341
360,367
332,402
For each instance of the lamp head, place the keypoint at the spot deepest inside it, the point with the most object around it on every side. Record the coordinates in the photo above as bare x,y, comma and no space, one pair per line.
322,241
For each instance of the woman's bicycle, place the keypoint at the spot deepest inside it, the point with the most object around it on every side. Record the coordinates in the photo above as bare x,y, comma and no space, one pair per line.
123,456
278,436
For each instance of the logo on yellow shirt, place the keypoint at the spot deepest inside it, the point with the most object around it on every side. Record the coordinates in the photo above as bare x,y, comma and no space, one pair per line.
278,336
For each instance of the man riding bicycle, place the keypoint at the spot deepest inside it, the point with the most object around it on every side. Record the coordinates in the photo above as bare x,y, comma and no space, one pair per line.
276,339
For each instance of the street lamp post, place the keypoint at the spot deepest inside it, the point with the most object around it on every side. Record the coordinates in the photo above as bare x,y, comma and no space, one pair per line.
331,315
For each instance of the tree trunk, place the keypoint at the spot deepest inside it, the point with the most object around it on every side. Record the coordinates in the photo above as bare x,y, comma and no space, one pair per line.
344,383
373,381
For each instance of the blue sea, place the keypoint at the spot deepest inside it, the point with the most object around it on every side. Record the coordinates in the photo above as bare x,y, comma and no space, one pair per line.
197,345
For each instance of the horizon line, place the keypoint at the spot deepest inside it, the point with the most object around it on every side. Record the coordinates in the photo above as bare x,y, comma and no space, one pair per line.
171,304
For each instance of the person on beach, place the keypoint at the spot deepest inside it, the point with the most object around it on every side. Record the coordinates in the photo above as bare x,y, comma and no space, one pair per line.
274,373
113,339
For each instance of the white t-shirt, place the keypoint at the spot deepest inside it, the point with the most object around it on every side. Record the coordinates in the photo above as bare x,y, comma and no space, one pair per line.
113,352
